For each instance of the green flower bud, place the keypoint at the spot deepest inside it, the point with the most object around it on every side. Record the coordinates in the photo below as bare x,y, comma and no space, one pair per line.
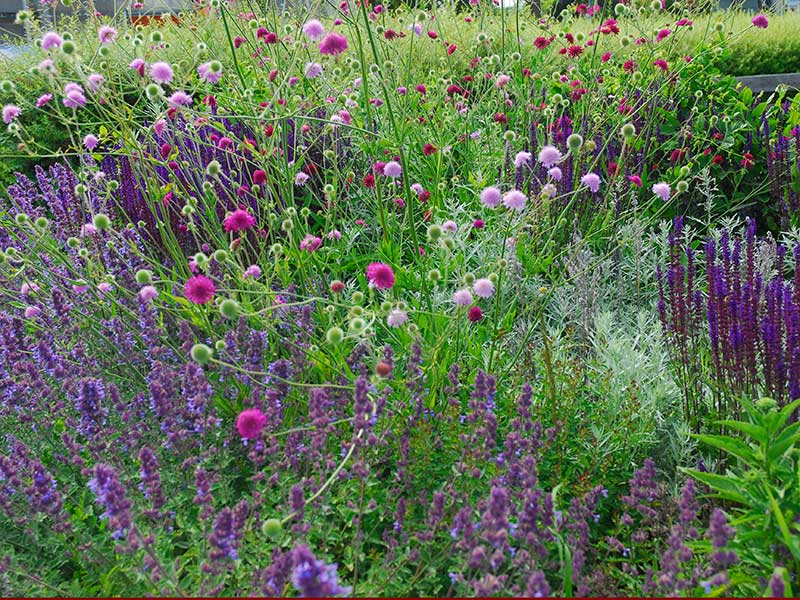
101,221
220,256
73,242
509,136
574,141
21,219
357,298
468,279
628,130
144,277
357,325
201,354
213,168
41,223
434,232
434,275
681,187
272,528
220,345
386,306
229,308
68,47
334,336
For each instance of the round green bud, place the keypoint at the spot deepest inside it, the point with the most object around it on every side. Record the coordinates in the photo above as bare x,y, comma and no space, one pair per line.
502,263
229,308
357,298
329,189
201,354
329,154
766,404
590,146
80,189
357,311
357,324
493,277
386,306
272,528
220,345
685,171
41,223
681,187
73,242
220,256
213,168
305,212
448,243
153,91
620,9
21,218
68,47
574,141
287,225
144,277
200,258
113,185
637,76
334,336
101,221
509,136
516,57
434,275
104,51
557,98
468,279
156,37
412,328
434,232
628,130
276,249
291,211
719,26
83,253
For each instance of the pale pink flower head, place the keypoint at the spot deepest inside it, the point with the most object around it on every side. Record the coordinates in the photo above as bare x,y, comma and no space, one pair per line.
250,423
760,21
483,288
333,44
662,190
90,142
514,199
313,29
300,179
104,287
10,113
522,158
74,96
47,66
591,181
138,65
51,40
94,82
502,81
43,99
549,156
463,297
32,312
238,220
449,226
148,293
161,72
179,98
206,74
555,173
491,197
253,271
392,169
310,243
313,70
199,289
107,34
396,317
160,126
380,275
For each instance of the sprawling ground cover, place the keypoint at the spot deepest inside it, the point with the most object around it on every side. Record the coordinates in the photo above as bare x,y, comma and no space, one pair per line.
396,302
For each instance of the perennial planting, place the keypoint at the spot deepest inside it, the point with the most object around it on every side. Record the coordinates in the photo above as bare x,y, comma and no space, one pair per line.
366,300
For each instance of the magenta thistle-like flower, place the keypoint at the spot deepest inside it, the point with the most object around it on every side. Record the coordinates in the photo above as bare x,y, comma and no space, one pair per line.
591,181
161,72
238,220
549,156
380,275
333,44
73,96
10,113
760,21
253,271
250,423
310,243
43,99
514,199
90,142
662,190
199,289
491,197
475,314
313,29
179,98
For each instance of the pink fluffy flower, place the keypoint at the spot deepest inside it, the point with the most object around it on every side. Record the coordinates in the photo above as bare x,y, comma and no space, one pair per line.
107,34
205,73
94,82
313,29
138,65
522,158
484,288
253,271
43,99
74,96
310,243
393,169
549,156
591,181
51,40
396,317
491,197
179,98
380,275
514,199
238,220
635,180
463,297
10,113
313,70
760,21
161,72
250,423
148,293
90,142
555,173
662,190
199,289
333,44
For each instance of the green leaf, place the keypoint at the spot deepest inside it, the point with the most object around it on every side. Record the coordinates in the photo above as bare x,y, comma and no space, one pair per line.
784,441
729,445
725,487
755,431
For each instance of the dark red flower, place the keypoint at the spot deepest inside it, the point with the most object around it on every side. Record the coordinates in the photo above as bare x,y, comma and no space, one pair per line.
475,314
429,149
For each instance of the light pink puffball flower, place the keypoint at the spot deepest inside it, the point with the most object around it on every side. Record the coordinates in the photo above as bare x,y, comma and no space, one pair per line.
51,40
107,34
90,142
161,72
502,81
393,169
591,181
449,227
522,158
463,297
662,190
555,173
206,74
148,293
549,156
396,317
314,30
10,113
313,70
483,288
514,199
491,197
